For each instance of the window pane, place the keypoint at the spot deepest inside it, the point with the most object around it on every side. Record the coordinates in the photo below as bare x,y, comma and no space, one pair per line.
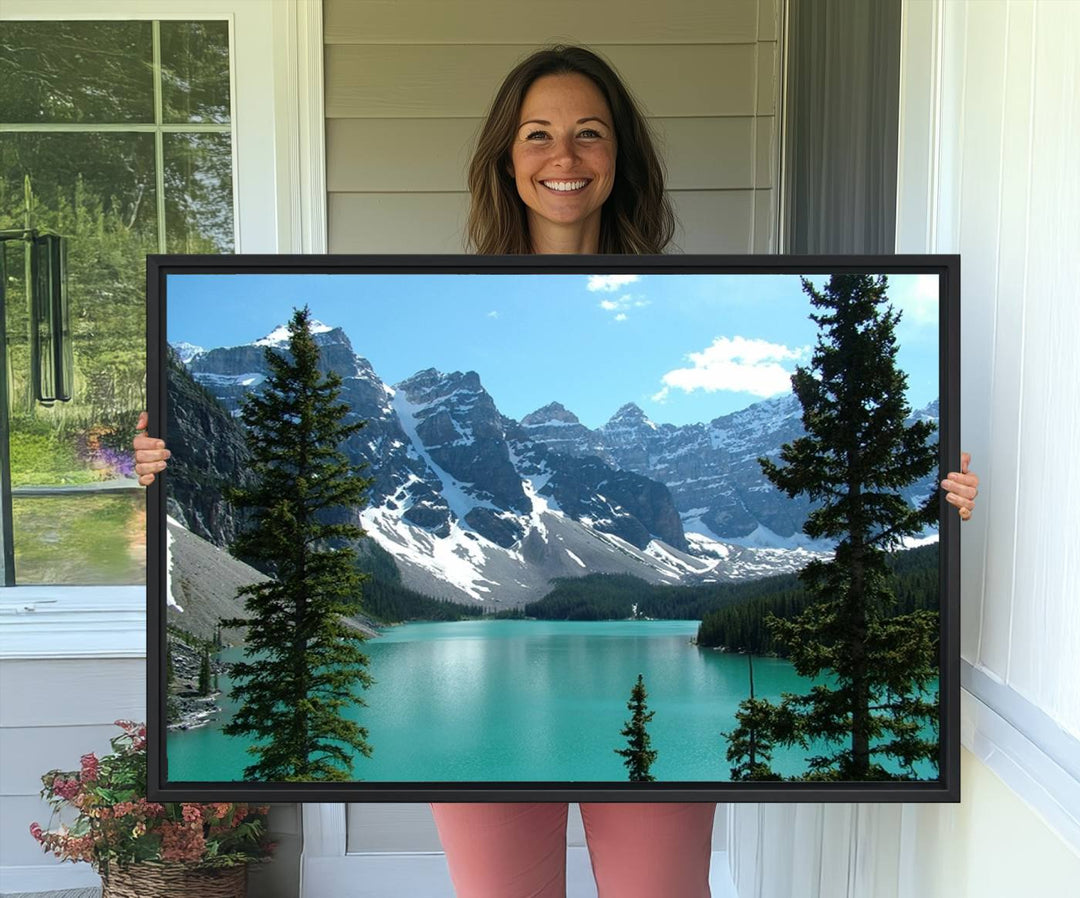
112,173
97,190
195,71
76,72
81,539
77,518
198,193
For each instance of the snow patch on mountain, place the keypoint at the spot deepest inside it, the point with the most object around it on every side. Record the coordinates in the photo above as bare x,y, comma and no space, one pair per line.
764,538
456,495
457,559
186,351
279,336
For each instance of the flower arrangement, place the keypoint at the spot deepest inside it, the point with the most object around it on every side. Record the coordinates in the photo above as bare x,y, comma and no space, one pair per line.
117,825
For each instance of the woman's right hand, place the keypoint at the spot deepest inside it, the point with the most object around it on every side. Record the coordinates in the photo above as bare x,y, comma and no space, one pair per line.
150,453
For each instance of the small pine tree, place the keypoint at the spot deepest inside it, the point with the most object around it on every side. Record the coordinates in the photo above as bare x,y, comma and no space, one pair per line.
638,755
204,673
304,664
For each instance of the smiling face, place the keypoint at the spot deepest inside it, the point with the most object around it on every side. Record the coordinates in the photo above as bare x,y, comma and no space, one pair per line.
563,162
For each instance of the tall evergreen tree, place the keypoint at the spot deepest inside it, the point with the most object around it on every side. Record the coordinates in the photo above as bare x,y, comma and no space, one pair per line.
856,456
638,755
305,664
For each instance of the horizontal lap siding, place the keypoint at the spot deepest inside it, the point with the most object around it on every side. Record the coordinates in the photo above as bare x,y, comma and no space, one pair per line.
524,22
409,81
53,712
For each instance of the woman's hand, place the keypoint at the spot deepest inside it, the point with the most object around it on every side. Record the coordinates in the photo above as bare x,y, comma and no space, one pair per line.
961,487
150,453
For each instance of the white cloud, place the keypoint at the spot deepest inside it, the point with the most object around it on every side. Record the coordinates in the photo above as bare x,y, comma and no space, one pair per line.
622,303
918,299
738,364
609,283
493,314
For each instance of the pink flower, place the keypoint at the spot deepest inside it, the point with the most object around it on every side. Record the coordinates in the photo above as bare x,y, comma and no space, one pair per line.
192,813
181,842
150,808
65,788
89,768
36,831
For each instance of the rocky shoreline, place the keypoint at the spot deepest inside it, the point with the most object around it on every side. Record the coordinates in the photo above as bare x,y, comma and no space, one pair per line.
187,708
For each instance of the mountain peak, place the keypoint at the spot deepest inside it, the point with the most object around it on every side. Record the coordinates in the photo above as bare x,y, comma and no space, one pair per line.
279,336
630,415
550,413
431,384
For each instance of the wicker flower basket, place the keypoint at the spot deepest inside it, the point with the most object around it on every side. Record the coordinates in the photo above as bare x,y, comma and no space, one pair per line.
174,881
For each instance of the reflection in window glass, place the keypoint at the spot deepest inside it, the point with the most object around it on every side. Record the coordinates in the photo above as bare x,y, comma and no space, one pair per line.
198,193
62,72
81,540
97,189
195,71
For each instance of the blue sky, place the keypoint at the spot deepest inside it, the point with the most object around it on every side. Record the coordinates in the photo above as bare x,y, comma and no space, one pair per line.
686,348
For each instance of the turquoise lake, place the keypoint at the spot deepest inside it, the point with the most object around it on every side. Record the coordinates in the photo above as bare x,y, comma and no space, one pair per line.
502,700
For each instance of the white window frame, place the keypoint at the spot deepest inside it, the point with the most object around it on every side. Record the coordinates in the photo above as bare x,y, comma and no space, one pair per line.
279,205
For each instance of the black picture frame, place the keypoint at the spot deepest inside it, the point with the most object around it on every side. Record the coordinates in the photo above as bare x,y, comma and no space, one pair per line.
945,789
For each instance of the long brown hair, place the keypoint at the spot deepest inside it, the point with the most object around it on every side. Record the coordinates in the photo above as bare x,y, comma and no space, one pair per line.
637,216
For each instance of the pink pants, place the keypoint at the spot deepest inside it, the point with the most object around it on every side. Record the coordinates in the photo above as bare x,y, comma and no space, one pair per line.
519,850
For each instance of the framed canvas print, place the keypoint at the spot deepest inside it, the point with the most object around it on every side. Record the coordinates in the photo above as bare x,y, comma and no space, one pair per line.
458,528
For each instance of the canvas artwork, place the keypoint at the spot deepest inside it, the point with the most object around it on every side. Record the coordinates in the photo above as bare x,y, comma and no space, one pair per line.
459,527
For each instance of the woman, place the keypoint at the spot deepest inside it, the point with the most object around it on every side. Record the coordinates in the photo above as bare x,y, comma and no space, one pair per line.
565,164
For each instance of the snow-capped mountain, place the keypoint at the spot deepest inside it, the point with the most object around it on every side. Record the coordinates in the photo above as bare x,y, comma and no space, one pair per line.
711,469
186,351
473,503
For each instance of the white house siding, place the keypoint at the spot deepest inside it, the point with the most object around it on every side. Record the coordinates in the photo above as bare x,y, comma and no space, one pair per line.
407,85
68,668
989,138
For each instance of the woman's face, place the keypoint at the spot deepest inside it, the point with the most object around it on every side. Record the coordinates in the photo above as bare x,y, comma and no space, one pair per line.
563,155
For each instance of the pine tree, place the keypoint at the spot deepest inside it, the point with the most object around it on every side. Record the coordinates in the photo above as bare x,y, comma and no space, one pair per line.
305,665
856,456
204,673
638,756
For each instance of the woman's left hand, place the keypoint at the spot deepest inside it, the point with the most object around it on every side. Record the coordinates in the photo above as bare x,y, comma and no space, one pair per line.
150,453
961,487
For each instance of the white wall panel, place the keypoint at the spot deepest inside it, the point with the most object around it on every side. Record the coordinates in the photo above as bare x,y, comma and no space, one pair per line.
1007,356
1046,614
